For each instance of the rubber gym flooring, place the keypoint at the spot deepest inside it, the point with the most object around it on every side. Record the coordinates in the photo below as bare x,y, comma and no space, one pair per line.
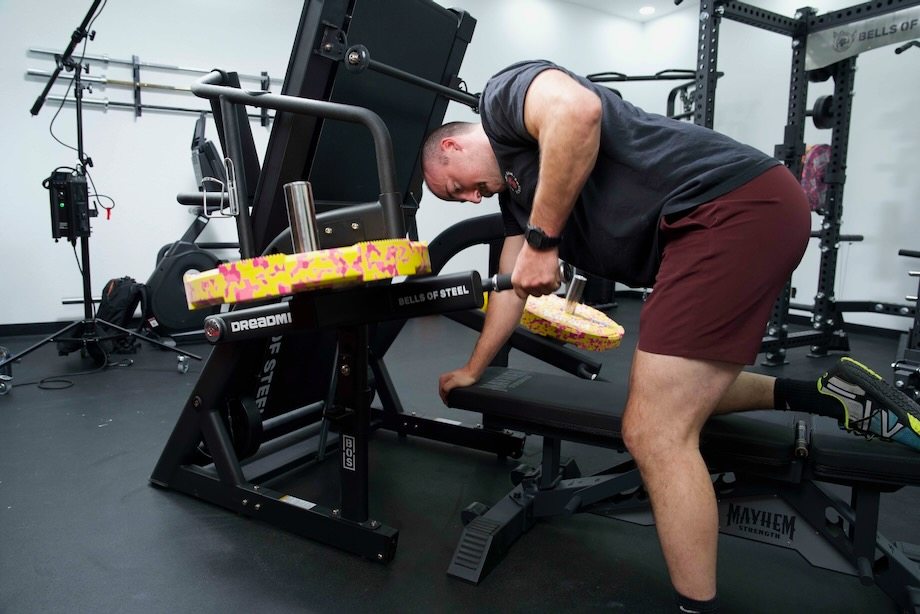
81,529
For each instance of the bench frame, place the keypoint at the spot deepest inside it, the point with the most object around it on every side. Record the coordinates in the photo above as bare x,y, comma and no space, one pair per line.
782,505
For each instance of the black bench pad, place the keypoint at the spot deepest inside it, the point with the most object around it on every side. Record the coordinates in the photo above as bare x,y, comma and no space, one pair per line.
587,411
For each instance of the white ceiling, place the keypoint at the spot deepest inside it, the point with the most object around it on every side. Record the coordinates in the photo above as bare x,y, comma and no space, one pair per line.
629,9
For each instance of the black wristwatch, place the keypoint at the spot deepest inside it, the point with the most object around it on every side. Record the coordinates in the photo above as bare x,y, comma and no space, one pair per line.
538,239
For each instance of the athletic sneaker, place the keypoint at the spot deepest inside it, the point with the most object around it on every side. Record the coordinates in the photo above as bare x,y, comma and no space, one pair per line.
871,406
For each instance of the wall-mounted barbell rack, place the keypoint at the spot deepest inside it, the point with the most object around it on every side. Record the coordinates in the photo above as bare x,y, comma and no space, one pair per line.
137,85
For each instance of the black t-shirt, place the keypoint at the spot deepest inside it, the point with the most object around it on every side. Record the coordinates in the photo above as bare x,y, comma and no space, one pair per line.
648,166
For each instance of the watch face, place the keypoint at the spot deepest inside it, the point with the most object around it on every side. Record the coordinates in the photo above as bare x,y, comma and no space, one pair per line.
537,239
534,237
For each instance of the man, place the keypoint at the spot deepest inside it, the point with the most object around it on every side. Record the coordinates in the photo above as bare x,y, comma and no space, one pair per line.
714,226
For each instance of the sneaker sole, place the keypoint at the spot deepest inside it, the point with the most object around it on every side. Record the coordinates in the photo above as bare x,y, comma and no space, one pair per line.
874,385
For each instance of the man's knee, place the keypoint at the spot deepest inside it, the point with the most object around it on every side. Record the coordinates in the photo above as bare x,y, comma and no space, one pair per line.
643,439
655,433
670,400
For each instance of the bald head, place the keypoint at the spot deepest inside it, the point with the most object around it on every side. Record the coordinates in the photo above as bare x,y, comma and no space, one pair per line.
459,164
432,153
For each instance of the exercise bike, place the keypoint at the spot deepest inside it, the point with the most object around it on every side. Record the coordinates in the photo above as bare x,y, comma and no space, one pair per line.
169,313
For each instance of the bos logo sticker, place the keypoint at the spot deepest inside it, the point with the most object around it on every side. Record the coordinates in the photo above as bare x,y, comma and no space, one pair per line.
348,453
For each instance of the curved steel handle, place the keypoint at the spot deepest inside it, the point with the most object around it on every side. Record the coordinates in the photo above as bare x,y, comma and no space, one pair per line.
390,198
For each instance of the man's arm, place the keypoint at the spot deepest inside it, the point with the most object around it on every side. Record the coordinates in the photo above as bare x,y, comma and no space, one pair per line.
565,118
504,313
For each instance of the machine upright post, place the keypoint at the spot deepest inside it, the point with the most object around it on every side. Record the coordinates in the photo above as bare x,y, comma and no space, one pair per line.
351,415
707,60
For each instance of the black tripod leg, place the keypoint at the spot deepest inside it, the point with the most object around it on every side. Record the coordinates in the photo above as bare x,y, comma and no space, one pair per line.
146,340
44,341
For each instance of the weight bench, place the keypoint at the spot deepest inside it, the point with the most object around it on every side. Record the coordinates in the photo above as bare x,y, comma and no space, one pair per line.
766,469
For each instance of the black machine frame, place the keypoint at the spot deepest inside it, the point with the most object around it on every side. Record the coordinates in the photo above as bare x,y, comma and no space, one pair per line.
221,449
828,332
233,481
330,52
220,477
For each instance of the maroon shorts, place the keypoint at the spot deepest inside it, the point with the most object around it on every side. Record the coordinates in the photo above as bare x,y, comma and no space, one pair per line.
723,266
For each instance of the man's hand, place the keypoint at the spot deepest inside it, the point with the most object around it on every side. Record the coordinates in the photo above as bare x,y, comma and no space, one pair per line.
457,378
536,272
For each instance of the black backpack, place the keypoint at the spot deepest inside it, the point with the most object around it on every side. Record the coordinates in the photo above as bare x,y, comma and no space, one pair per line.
120,298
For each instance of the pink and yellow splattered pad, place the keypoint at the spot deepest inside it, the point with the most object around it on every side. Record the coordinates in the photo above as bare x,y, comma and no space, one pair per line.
587,328
283,274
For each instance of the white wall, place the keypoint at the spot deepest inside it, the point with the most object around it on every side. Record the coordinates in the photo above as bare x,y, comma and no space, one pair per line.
143,162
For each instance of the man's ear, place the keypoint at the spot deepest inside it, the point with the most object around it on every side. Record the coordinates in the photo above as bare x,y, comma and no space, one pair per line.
449,143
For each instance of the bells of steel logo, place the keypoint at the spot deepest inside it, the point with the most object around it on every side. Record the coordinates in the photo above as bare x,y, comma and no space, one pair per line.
843,39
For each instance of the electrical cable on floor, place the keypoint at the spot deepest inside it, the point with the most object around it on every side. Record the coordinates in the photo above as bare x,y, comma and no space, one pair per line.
61,383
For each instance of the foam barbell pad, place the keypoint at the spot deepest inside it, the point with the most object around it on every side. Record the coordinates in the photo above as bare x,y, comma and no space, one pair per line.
587,328
814,169
283,274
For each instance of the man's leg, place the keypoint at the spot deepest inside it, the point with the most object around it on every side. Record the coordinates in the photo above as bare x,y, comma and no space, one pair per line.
723,265
670,399
849,392
748,391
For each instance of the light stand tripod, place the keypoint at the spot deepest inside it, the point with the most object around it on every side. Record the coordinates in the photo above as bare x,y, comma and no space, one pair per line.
86,330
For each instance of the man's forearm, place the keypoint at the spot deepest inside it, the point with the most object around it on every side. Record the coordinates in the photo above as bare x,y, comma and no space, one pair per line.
504,313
